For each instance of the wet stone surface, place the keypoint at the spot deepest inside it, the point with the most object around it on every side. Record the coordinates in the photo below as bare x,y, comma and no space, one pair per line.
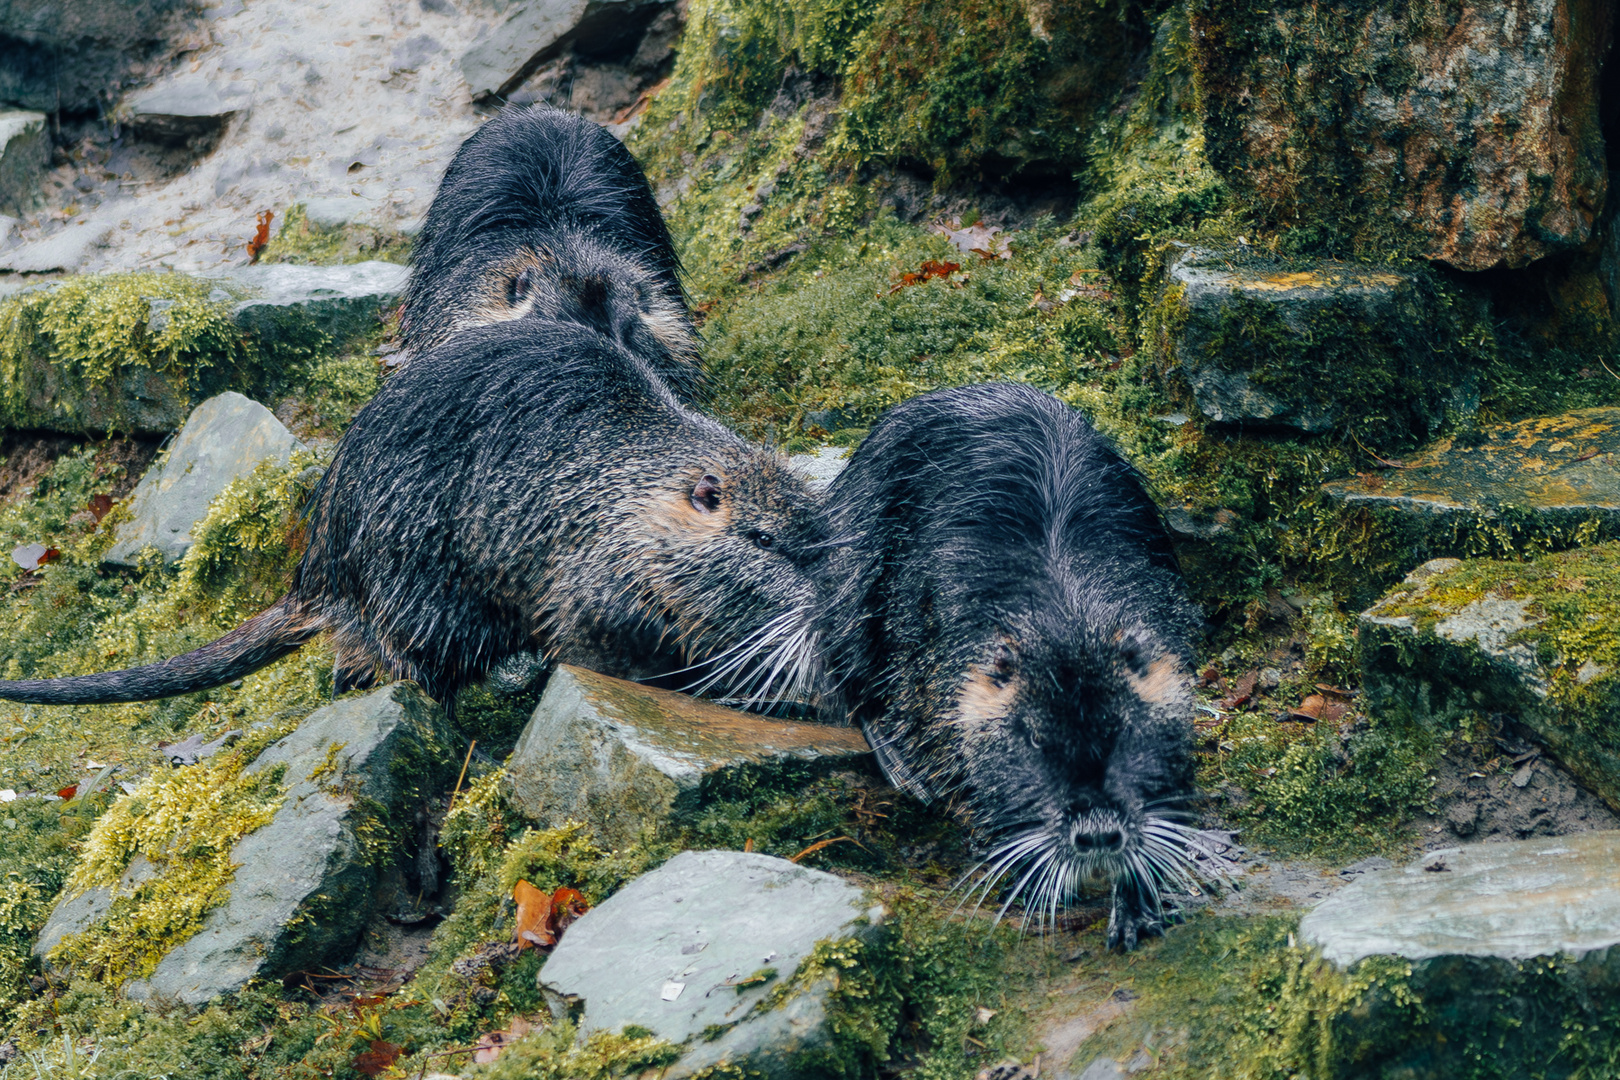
25,150
622,756
668,951
288,301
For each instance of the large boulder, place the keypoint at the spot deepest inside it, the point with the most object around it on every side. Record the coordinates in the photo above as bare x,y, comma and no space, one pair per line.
1534,640
1311,349
1473,129
1468,945
179,110
697,951
224,438
73,56
307,882
623,757
25,153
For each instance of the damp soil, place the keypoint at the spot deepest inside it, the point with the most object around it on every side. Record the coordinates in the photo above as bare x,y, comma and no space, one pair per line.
1509,790
26,456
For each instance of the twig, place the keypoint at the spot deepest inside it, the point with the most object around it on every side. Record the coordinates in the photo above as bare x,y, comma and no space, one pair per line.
819,844
444,1053
1388,464
464,763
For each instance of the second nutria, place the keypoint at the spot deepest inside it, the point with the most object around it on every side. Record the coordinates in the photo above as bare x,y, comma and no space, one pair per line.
530,485
544,211
1007,623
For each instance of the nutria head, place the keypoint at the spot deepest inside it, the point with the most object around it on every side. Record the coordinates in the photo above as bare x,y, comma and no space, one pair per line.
1003,614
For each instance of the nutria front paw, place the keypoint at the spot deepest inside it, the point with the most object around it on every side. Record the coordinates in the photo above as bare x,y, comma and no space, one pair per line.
1131,918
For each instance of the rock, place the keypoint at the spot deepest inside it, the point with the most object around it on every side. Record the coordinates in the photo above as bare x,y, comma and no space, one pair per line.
225,437
179,110
1530,639
338,211
536,30
1560,472
822,466
1415,142
62,252
622,756
71,57
1513,937
658,952
343,302
1310,350
1103,1068
307,881
25,154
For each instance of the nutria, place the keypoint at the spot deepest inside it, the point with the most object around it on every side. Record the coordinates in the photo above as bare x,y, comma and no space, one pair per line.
543,211
1007,622
530,485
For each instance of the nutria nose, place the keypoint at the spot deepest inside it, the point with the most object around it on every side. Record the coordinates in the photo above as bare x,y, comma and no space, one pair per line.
1103,839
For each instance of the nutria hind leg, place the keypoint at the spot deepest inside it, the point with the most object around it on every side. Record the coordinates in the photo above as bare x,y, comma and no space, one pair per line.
356,677
1133,914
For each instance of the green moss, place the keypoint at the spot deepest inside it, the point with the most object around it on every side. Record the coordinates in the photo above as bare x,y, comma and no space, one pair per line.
556,1054
300,240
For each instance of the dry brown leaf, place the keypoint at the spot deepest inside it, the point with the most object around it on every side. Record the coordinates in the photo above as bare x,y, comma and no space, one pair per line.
376,1061
533,913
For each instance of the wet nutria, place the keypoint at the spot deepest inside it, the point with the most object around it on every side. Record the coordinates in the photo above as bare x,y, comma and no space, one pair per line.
531,485
1008,624
543,211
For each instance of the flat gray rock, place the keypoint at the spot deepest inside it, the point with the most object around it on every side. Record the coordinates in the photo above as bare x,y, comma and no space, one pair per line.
1512,901
667,950
822,466
343,302
1267,348
623,757
306,882
25,154
535,30
225,437
179,109
63,252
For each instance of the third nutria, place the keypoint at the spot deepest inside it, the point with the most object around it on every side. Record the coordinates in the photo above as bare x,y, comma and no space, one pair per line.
543,211
1007,623
530,485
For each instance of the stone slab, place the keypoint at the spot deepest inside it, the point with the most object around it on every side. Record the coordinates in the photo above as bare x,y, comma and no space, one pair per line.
1512,901
343,302
1276,348
179,109
25,154
622,757
535,30
698,923
224,438
1563,470
306,882
1528,639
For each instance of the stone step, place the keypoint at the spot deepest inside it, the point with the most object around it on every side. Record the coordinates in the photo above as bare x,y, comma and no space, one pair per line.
623,757
179,109
224,438
1535,640
1310,350
342,302
1561,471
503,57
307,882
668,952
1497,937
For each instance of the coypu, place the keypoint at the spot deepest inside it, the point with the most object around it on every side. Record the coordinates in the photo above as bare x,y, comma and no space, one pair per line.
543,211
530,485
1007,622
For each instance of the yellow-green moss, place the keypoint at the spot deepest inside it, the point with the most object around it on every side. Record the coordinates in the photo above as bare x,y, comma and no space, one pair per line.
557,1054
184,822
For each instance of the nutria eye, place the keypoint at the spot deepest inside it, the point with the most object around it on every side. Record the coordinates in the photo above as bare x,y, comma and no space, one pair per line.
762,539
1036,739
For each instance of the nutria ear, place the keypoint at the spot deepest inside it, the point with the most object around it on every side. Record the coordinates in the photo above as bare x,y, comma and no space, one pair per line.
520,287
706,495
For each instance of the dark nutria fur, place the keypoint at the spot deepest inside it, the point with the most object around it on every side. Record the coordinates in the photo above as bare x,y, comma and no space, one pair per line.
543,211
529,486
1007,623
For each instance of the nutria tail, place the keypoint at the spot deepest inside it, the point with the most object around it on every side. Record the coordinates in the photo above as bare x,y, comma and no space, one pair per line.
262,640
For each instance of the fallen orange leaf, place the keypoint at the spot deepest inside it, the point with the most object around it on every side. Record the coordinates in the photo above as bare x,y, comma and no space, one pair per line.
533,912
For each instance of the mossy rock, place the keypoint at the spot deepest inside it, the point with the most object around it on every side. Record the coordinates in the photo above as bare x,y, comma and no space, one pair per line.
1536,640
1311,348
